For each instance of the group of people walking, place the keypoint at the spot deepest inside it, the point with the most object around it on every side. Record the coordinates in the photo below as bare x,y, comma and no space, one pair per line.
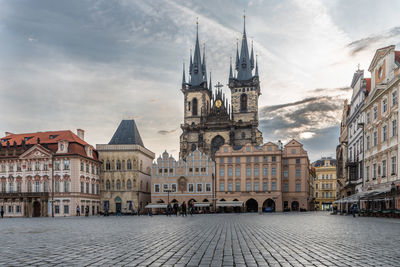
182,209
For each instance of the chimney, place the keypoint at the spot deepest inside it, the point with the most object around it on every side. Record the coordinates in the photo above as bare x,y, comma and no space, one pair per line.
80,133
8,133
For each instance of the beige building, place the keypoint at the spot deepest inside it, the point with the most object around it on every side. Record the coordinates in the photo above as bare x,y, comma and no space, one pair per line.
184,180
325,183
48,173
341,155
264,178
125,177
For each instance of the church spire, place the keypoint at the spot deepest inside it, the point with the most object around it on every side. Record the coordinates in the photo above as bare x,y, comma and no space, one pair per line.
256,74
210,86
204,69
230,69
244,72
252,56
237,56
183,75
197,75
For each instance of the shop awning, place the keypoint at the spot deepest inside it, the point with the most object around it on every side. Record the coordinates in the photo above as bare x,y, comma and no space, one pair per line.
156,206
202,204
230,204
362,195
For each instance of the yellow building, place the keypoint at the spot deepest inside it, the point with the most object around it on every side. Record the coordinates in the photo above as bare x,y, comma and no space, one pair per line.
325,183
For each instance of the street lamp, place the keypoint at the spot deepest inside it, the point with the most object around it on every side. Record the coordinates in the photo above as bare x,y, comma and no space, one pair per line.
168,191
361,125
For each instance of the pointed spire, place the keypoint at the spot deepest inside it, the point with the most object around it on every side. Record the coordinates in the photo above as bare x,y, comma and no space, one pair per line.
244,71
252,56
230,70
183,75
197,68
256,74
237,56
204,69
191,63
210,86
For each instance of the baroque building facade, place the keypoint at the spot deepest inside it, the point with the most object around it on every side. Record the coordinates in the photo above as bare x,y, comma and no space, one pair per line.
125,176
325,184
270,177
209,120
341,154
48,173
189,179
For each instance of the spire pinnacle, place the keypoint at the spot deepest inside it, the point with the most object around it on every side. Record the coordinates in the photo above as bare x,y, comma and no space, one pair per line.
198,70
183,75
244,70
230,69
252,56
210,86
256,74
244,22
237,55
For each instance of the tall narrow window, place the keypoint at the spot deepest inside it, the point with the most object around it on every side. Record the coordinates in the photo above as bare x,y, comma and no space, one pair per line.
129,184
243,103
118,165
108,186
194,108
108,166
129,164
118,185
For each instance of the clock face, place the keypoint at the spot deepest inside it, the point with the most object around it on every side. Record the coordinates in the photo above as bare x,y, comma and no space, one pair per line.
218,103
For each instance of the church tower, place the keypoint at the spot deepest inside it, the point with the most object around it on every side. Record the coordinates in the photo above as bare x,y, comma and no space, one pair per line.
245,90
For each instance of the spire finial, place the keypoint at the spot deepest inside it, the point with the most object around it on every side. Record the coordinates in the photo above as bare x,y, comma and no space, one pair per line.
358,66
256,73
210,86
183,75
244,21
230,69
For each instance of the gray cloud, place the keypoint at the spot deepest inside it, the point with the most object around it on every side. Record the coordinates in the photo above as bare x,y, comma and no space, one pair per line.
165,132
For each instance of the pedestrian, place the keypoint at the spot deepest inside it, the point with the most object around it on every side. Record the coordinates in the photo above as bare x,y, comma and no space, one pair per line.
169,209
176,207
354,210
184,209
87,211
191,208
138,211
78,211
2,212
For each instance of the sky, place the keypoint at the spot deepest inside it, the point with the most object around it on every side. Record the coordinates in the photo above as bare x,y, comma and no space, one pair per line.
90,64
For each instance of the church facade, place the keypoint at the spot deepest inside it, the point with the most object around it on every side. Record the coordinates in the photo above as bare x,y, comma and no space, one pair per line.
210,120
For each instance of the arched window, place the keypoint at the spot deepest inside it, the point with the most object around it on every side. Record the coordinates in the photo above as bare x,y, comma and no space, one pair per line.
129,165
129,184
108,165
108,186
118,165
243,103
194,108
118,185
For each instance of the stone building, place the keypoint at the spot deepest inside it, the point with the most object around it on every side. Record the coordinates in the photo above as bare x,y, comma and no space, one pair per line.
268,177
187,179
341,154
125,177
325,183
36,168
209,120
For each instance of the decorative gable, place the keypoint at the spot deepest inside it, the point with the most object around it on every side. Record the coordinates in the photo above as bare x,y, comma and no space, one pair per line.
36,152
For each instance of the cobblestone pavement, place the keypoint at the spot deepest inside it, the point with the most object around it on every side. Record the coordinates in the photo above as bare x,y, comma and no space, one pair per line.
302,239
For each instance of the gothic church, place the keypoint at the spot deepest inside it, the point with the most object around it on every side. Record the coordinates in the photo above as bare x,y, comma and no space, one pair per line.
209,120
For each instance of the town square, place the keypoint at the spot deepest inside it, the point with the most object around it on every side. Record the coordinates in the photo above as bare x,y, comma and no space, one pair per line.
210,133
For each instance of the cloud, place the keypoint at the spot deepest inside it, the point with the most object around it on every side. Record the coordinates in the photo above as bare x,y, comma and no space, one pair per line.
165,132
375,41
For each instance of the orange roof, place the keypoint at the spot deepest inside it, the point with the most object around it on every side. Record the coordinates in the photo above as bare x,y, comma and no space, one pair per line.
368,88
49,137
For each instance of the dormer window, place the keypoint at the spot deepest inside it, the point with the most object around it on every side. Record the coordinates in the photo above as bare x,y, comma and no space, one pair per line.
62,147
380,72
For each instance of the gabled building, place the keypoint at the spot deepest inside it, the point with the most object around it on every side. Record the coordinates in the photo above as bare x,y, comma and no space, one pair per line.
125,177
325,183
48,173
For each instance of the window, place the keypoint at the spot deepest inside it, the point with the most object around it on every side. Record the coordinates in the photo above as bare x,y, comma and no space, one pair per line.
19,186
129,184
129,165
286,161
384,105
367,172
248,171
368,117
82,166
285,173
173,187
194,108
37,186
19,167
157,188
237,187
248,159
265,158
108,187
222,172
87,188
273,186
297,161
248,186
230,186
11,187
384,133
37,166
237,160
265,171
92,169
256,186
29,185
298,187
273,171
221,160
298,172
87,167
199,188
118,165
229,159
394,127
237,171
66,209
3,187
375,138
383,168
293,151
18,209
166,187
57,165
256,159
66,186
118,185
10,209
56,209
93,189
256,172
208,187
316,194
243,103
221,186
374,171
316,186
367,142
230,171
265,186
66,164
191,187
273,158
108,166
243,135
285,188
98,189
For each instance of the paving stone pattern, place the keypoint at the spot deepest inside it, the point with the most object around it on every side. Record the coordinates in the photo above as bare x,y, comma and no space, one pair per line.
302,239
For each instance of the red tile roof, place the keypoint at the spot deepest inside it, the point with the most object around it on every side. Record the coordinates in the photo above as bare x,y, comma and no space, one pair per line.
368,88
45,138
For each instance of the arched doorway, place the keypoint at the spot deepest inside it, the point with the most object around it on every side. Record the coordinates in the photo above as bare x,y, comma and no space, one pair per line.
237,209
251,205
269,205
216,143
118,205
36,209
295,206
